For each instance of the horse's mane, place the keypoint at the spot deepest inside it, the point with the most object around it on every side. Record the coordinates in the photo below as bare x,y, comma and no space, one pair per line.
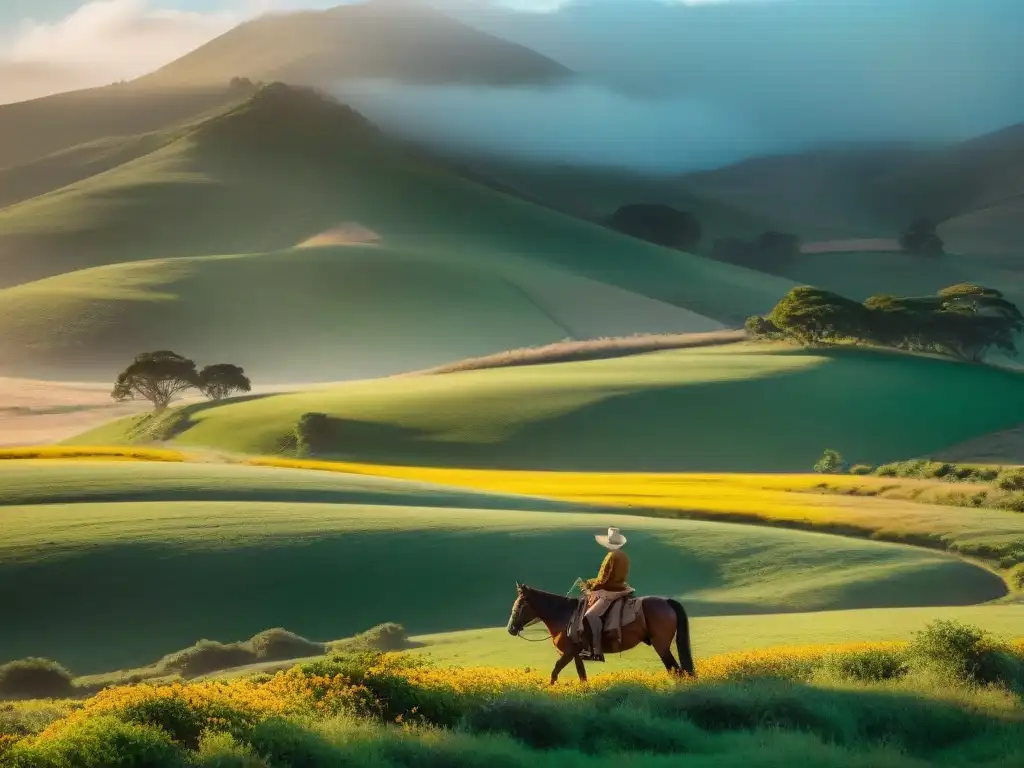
550,605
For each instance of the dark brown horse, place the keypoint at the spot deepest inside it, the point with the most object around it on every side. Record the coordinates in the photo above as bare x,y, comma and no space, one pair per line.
663,618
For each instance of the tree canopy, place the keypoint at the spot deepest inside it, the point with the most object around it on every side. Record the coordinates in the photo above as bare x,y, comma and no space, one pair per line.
964,321
157,377
160,376
223,379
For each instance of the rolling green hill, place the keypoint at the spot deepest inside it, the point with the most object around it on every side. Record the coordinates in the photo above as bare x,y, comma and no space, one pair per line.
188,551
274,173
40,127
742,407
390,39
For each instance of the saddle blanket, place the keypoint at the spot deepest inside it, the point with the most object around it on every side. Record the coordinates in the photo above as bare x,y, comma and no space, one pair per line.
621,613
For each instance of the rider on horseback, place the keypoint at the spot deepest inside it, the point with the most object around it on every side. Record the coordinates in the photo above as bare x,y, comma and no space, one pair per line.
609,585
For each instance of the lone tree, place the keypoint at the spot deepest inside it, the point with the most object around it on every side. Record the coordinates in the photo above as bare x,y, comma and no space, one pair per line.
921,238
658,224
223,379
157,377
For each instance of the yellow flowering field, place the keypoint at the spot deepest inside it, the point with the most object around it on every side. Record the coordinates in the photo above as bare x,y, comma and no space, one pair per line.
878,507
228,704
99,452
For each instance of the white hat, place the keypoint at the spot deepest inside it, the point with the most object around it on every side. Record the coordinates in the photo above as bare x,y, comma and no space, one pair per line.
614,539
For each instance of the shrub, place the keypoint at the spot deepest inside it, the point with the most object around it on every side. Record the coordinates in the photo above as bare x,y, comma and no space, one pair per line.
278,643
100,742
284,744
383,637
830,463
312,434
861,469
222,750
761,328
1016,576
870,666
207,656
964,653
1011,479
34,678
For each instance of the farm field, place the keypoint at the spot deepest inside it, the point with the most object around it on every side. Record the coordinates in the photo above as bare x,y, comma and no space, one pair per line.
740,407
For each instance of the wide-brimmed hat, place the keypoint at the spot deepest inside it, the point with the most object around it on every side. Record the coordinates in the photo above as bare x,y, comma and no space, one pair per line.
614,539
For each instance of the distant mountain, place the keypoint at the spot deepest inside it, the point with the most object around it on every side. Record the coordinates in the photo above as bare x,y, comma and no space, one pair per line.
798,70
974,188
388,39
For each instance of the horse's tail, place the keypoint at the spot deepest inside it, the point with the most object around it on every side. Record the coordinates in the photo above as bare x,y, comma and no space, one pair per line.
683,638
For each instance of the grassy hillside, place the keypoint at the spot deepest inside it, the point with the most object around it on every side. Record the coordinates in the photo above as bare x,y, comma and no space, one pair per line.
314,313
741,407
104,585
287,166
594,193
40,127
402,41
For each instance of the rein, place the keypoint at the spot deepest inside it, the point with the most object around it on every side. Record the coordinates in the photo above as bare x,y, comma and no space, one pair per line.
534,621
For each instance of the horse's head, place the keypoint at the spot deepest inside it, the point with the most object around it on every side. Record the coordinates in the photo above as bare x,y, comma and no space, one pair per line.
523,613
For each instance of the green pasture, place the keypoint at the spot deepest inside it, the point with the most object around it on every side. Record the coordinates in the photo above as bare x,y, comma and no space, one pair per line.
123,577
712,635
742,407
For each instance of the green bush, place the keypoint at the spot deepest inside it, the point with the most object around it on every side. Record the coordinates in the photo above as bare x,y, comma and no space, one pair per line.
383,637
964,653
34,678
861,469
208,656
1016,576
285,744
871,666
222,750
1011,479
278,644
313,434
100,742
830,463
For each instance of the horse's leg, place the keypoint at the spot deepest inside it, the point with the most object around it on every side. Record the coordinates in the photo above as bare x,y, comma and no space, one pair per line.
580,669
661,629
564,659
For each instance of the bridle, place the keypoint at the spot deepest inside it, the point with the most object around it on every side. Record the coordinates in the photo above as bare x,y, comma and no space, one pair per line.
517,609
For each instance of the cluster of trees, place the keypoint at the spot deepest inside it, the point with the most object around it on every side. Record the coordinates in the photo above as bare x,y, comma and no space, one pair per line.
922,238
964,321
767,250
658,224
160,376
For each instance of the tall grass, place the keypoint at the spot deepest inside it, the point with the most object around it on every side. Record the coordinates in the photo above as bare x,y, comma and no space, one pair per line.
869,704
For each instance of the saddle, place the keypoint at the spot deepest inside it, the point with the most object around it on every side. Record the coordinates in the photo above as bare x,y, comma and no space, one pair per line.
622,612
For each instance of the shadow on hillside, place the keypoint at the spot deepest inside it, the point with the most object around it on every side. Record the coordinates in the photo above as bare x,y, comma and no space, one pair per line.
876,411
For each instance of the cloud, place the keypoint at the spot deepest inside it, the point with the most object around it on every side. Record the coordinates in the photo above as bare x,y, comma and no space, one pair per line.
102,41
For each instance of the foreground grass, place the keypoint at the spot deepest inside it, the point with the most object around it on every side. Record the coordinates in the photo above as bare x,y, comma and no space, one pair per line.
869,507
948,698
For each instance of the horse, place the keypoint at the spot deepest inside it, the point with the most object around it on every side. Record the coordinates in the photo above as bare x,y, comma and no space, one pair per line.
664,618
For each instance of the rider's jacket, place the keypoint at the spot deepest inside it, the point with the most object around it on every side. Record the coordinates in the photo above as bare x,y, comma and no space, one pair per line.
613,573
